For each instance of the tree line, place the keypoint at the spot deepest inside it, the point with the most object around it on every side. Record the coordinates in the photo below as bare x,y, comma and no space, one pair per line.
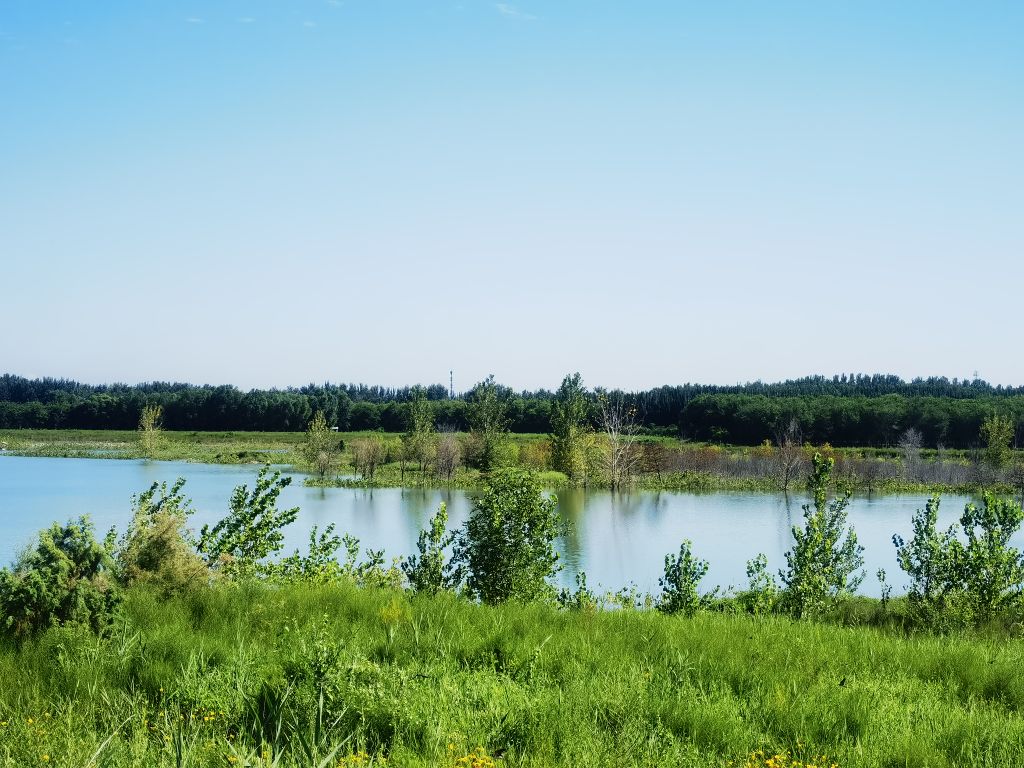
855,410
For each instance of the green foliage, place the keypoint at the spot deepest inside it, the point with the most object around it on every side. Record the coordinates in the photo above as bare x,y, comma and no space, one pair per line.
150,429
679,585
419,433
488,419
320,450
569,428
426,570
65,578
506,549
956,582
997,433
762,595
158,547
320,565
252,530
580,599
821,566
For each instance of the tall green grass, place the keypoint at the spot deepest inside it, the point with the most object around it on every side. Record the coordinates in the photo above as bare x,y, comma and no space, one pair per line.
340,675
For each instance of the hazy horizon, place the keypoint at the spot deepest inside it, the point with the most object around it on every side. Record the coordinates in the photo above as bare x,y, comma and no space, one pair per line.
261,193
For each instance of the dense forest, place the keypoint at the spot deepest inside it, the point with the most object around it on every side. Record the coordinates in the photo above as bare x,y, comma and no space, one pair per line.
861,410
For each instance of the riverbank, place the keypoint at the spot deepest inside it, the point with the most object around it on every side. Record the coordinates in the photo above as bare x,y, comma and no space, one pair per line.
664,464
250,674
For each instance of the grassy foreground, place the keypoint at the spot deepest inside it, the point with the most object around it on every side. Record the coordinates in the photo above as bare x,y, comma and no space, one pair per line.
306,675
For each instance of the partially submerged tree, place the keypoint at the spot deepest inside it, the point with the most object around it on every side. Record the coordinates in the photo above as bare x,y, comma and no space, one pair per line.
419,434
997,434
368,454
910,450
488,420
447,455
320,449
788,457
569,428
621,431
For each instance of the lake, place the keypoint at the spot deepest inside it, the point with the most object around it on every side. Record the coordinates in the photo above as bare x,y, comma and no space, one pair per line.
618,539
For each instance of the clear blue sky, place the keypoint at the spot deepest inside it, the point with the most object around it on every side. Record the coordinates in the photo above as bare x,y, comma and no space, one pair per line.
268,193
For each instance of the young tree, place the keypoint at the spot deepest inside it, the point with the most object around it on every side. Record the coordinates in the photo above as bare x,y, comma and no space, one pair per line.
910,447
158,548
367,455
488,420
621,454
788,458
506,549
679,585
64,579
252,531
425,571
821,566
448,454
150,429
997,434
321,447
419,433
569,427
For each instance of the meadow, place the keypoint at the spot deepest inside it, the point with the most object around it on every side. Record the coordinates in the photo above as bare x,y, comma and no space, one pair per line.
339,675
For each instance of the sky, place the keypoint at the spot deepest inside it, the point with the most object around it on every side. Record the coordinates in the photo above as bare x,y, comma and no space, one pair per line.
269,193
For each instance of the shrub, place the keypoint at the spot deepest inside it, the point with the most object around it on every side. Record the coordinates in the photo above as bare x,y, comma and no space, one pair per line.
65,579
821,566
252,530
425,571
157,547
506,549
679,585
955,583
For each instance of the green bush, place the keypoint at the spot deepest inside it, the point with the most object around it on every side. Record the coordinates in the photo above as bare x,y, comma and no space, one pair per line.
158,547
425,571
679,585
252,531
506,549
66,578
821,565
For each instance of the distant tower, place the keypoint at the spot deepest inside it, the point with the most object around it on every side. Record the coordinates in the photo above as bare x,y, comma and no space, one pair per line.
451,385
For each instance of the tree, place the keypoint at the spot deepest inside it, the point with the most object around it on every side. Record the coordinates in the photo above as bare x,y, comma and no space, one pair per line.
419,433
506,549
66,578
158,547
788,456
426,570
367,455
488,419
150,429
910,447
252,531
821,566
955,581
321,447
447,455
997,434
568,428
679,585
621,454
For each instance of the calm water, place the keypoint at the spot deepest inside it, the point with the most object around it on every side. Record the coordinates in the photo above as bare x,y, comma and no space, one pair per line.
617,540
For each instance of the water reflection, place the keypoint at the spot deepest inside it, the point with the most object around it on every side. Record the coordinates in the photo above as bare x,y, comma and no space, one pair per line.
617,539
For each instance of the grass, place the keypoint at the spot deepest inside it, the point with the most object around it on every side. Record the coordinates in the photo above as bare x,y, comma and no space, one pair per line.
250,674
285,448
